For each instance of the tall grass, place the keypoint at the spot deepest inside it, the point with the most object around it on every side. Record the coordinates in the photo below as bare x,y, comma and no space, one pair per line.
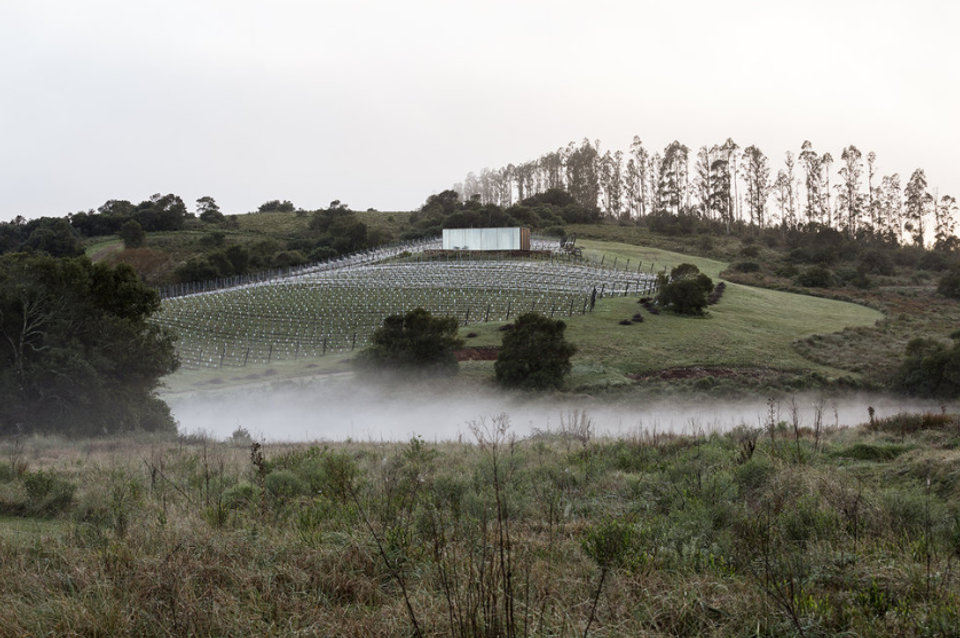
774,531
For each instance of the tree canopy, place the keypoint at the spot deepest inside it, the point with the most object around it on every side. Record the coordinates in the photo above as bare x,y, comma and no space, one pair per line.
416,341
685,291
77,354
534,354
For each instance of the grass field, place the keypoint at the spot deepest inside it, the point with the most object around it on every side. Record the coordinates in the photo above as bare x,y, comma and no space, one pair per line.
749,328
775,530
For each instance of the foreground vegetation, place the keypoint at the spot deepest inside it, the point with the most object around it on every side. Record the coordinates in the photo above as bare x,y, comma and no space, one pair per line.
790,529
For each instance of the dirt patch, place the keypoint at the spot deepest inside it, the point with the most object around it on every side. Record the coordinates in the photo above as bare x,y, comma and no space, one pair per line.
481,353
106,250
699,372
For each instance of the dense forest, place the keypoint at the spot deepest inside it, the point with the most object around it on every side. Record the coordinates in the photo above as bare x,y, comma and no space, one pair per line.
733,186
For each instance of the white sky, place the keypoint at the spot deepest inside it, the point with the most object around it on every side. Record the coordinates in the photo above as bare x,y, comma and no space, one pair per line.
380,103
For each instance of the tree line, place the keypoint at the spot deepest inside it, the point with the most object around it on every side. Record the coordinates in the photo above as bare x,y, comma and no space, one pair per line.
733,186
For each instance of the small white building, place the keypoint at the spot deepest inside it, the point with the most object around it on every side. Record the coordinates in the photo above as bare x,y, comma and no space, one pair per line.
486,239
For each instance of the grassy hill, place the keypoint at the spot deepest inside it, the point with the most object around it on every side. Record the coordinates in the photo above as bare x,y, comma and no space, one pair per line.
746,339
767,330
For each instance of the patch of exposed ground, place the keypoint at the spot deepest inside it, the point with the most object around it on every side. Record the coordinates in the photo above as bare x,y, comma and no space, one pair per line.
480,353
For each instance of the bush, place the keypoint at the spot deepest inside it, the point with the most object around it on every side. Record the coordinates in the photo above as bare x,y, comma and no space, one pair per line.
686,292
534,354
950,284
816,277
933,260
931,369
283,485
877,262
132,234
747,266
239,496
415,341
47,493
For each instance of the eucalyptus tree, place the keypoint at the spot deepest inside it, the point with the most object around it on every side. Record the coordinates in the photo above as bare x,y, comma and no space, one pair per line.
720,202
781,189
849,200
873,199
673,177
701,178
642,166
790,186
729,149
583,180
812,167
631,188
891,207
944,214
523,176
826,162
916,205
613,178
757,172
653,182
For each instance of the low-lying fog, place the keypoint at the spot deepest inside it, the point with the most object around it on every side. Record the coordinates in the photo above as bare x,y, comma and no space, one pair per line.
337,411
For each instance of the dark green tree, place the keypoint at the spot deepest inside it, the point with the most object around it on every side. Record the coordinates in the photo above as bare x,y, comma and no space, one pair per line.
55,237
77,354
209,211
949,285
534,355
416,341
132,234
931,369
685,291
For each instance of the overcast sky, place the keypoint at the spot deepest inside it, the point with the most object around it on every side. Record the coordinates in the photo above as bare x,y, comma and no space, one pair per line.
380,103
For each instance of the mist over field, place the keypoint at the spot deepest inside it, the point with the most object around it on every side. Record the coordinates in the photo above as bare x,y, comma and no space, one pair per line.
312,411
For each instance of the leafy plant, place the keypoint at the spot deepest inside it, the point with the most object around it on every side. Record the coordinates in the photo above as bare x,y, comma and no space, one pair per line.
414,341
535,354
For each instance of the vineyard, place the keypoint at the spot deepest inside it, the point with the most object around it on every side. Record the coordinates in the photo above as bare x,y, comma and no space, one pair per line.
335,306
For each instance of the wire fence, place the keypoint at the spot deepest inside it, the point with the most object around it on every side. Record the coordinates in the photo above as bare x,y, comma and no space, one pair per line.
335,306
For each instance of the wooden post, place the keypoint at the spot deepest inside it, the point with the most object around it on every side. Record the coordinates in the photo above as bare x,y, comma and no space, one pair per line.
246,356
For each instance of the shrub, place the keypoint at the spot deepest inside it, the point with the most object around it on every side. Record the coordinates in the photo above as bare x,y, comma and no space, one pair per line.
686,290
877,262
535,354
931,369
747,266
415,341
47,493
239,496
950,284
816,277
132,234
283,485
933,260
788,270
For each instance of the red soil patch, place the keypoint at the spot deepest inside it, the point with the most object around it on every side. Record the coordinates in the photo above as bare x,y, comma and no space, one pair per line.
482,353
